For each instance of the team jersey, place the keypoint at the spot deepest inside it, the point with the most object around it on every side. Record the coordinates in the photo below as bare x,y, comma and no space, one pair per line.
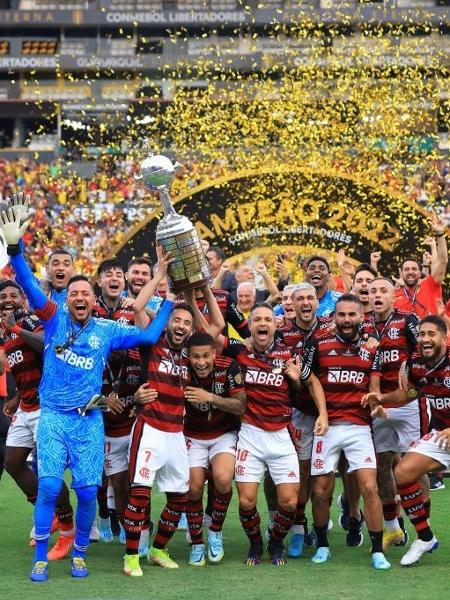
295,337
120,314
121,373
344,369
229,310
75,354
269,392
153,304
59,296
122,377
422,300
327,303
397,337
204,422
25,363
434,386
70,378
166,370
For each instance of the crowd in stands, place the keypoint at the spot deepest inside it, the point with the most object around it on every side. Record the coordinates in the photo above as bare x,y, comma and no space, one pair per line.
90,217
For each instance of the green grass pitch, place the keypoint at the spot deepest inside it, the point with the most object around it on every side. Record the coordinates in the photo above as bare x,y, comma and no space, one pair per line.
347,576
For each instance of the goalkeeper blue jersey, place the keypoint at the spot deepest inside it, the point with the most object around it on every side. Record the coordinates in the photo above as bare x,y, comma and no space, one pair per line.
74,354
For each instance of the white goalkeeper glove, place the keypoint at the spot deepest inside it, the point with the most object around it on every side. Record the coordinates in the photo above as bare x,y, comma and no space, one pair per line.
12,227
21,203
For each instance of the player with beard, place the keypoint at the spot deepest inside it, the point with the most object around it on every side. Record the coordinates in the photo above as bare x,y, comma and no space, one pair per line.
139,274
428,372
417,296
304,324
396,336
345,366
318,275
26,367
120,382
158,448
364,275
270,376
348,501
215,399
76,346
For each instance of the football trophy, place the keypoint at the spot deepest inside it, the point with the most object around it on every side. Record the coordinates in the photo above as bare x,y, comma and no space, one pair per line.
176,234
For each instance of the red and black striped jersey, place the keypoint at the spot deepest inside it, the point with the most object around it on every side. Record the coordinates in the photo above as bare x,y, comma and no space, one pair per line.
121,373
434,386
397,337
25,363
121,314
229,310
344,370
165,370
203,421
295,337
268,389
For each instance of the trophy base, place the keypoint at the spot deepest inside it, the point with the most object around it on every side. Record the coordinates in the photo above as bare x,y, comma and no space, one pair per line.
177,287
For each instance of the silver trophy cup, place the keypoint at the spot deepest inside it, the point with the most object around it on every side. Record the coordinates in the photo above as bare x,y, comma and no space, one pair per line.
175,232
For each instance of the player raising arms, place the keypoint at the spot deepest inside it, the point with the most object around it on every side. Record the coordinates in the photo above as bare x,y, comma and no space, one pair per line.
76,346
158,448
270,373
428,372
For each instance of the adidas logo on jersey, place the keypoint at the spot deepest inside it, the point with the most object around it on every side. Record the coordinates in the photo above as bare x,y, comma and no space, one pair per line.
332,353
368,460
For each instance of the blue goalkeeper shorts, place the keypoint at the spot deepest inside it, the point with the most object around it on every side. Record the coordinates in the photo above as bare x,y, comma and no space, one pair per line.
68,440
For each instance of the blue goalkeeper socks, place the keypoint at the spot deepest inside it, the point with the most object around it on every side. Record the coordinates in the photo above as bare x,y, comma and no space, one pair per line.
86,509
48,491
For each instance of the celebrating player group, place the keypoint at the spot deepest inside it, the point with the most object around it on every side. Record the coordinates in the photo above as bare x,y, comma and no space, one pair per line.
136,387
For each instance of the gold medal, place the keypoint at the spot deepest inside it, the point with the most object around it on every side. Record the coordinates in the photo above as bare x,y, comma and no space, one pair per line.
412,394
59,349
114,396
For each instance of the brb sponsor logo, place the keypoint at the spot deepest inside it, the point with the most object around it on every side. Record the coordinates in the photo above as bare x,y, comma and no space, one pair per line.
14,358
345,376
264,378
389,356
440,403
69,357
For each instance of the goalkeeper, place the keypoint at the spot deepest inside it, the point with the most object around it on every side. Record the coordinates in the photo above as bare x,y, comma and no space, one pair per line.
76,347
